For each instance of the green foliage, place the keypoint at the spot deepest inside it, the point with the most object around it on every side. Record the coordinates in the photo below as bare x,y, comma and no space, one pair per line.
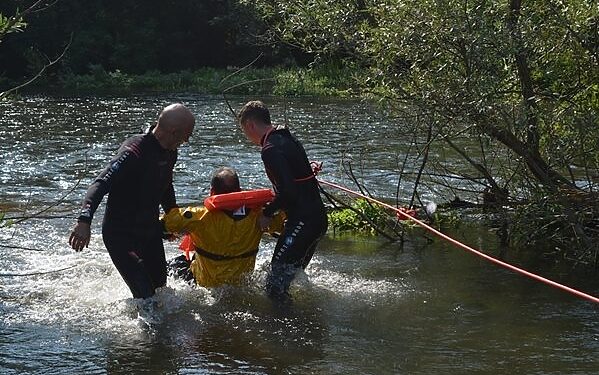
136,37
462,64
347,219
443,220
4,222
11,25
519,77
263,81
321,81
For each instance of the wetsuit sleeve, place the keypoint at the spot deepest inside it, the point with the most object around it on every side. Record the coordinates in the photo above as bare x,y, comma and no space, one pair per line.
168,199
285,187
123,164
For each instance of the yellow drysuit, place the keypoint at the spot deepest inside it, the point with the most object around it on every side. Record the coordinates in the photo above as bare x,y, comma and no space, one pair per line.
226,242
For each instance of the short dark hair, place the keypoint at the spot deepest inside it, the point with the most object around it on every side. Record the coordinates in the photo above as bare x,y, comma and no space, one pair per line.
254,110
225,180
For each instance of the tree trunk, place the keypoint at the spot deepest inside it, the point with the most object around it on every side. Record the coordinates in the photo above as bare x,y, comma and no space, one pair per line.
529,150
546,175
526,82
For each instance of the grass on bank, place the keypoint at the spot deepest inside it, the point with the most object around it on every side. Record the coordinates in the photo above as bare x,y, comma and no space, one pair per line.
322,81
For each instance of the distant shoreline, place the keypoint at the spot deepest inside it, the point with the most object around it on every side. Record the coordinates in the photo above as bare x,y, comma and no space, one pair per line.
326,81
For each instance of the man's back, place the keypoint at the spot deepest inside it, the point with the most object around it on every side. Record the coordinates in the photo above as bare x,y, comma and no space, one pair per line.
226,242
288,169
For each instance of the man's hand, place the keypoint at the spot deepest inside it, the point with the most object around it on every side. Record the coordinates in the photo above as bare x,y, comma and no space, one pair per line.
264,222
80,236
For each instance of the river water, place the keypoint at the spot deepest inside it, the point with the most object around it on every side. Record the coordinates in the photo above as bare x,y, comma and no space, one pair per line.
363,306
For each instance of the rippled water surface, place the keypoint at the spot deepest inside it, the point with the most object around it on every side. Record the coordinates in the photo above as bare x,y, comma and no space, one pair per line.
364,306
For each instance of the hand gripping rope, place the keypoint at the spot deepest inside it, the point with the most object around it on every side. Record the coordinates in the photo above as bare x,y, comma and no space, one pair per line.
406,214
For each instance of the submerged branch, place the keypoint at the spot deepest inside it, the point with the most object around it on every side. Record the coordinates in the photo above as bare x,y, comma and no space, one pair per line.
47,208
20,247
42,272
38,214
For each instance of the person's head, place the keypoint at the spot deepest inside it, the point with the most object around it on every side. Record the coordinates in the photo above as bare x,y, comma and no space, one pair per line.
254,119
174,127
224,180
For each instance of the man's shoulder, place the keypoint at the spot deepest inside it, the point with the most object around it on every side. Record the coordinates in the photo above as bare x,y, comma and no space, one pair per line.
143,144
276,141
280,142
134,144
282,137
135,139
281,133
194,213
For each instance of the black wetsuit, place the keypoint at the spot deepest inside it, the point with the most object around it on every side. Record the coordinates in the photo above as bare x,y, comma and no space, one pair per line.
296,193
138,180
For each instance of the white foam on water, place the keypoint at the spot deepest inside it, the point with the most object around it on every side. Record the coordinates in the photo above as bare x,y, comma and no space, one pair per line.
352,286
91,296
318,278
84,291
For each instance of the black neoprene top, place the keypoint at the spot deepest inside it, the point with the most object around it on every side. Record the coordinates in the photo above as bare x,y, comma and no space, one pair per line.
137,180
286,162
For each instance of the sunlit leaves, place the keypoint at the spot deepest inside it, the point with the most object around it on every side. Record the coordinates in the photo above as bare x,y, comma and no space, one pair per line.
4,222
361,216
455,61
10,25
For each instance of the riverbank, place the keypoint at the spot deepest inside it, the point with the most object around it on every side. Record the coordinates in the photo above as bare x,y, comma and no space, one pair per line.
330,81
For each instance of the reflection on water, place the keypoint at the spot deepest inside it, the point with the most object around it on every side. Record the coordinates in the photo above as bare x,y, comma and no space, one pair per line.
364,306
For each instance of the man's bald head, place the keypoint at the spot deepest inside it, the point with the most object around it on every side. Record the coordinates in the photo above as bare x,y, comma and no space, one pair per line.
174,127
175,116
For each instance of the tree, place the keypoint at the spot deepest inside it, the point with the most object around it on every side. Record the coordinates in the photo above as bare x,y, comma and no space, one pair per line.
16,23
503,69
136,37
521,78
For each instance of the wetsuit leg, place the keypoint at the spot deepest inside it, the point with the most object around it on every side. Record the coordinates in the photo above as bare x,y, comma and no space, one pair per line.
142,264
293,250
152,253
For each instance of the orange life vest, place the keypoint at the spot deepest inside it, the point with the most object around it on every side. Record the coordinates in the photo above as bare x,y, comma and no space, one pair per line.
187,246
232,201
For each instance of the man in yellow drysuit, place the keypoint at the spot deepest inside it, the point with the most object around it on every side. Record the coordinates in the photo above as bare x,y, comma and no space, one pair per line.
226,242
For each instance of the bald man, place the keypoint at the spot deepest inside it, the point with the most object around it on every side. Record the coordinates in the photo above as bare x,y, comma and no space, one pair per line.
138,180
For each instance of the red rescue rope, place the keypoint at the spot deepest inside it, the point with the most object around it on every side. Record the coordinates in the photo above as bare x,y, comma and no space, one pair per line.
407,216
